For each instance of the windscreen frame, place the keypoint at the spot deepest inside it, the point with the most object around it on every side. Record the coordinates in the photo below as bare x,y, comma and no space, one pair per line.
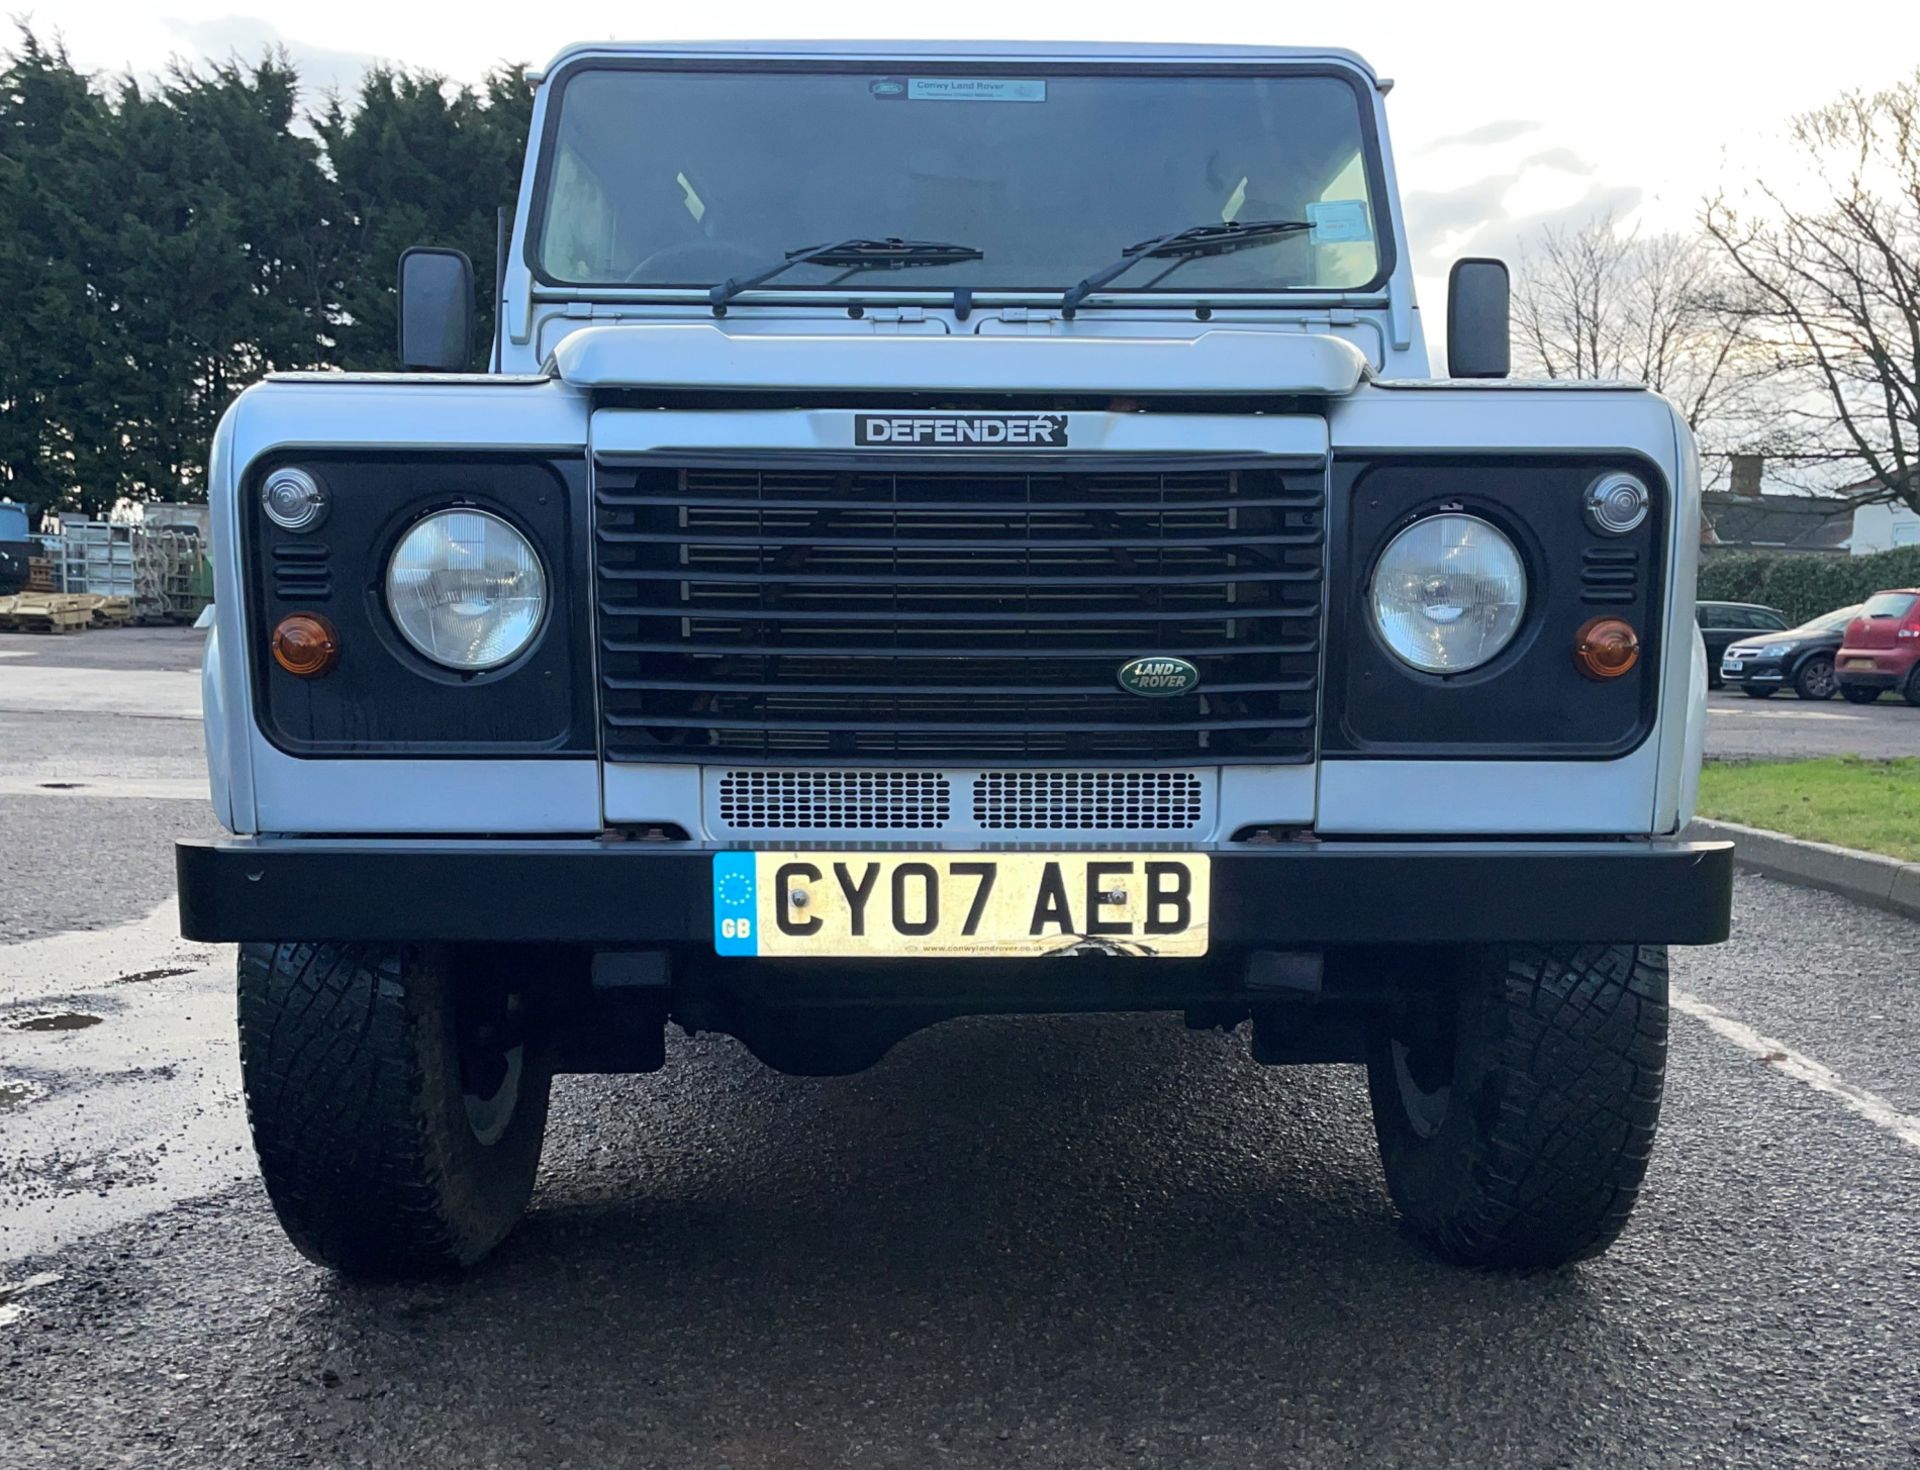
1383,203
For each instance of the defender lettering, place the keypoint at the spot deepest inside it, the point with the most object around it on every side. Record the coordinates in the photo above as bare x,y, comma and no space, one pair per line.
1037,431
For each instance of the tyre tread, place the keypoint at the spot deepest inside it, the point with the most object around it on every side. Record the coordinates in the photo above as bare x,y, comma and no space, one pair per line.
346,1093
1561,1105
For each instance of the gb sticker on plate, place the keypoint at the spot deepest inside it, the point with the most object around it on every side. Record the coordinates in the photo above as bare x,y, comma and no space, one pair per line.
735,904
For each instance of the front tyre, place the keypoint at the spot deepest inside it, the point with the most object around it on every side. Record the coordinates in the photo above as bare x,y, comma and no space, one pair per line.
397,1103
1757,691
1910,691
1816,678
1515,1104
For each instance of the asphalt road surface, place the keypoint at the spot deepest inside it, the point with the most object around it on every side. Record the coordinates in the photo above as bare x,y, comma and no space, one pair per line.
1786,727
1040,1242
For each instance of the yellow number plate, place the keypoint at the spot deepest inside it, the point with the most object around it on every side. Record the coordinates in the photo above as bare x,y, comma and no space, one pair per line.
939,905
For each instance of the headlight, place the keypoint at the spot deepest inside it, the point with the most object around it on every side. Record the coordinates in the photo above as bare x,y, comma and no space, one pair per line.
466,589
1448,593
1775,650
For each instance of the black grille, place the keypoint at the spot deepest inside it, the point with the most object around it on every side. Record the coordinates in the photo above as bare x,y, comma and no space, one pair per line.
970,615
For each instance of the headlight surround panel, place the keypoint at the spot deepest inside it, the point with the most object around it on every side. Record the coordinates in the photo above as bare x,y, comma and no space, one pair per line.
1528,701
385,698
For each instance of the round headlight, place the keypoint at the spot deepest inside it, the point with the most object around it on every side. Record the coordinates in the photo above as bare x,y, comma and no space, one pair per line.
466,589
1448,593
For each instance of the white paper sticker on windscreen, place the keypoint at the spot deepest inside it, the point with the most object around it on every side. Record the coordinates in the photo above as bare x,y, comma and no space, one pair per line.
974,89
1338,221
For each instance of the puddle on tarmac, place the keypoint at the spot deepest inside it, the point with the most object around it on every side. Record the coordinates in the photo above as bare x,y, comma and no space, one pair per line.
166,973
60,1021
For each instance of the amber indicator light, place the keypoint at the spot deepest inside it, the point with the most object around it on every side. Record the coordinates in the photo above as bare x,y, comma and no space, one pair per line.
304,645
1606,648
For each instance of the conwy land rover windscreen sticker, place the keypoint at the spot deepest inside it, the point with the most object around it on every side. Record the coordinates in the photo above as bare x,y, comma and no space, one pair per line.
958,89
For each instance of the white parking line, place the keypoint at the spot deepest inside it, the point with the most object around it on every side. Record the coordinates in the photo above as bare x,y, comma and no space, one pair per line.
1802,1068
150,788
1789,713
10,1309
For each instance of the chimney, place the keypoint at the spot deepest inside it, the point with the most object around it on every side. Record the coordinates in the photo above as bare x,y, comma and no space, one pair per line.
1746,475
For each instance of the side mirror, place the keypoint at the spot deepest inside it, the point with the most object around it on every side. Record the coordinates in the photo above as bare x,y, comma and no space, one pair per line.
1479,335
436,310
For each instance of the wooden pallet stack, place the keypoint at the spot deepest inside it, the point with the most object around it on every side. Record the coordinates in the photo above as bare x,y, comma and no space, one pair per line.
49,612
111,612
40,574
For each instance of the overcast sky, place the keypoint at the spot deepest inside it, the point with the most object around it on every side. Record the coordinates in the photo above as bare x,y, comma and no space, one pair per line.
1504,115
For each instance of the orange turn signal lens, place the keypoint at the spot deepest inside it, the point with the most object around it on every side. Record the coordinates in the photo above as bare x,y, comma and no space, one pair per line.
304,645
1606,648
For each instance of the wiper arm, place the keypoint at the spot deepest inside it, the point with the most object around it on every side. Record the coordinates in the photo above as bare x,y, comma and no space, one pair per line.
1189,244
856,254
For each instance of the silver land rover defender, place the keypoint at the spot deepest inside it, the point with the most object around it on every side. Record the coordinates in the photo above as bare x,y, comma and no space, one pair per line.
947,530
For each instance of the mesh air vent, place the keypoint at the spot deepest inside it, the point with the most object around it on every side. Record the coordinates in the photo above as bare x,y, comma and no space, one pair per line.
1087,801
862,801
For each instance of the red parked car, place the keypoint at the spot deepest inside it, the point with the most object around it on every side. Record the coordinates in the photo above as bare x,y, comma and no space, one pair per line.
1882,648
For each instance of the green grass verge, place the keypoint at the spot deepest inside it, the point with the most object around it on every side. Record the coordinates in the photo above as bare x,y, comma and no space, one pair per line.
1871,805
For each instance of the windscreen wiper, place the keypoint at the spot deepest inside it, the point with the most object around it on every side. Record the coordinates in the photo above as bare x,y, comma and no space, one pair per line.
853,255
1185,245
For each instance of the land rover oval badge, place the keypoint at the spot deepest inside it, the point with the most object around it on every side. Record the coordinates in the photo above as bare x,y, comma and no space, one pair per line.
1156,678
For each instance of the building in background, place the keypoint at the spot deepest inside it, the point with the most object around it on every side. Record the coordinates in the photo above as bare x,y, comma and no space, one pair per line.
1882,528
1750,515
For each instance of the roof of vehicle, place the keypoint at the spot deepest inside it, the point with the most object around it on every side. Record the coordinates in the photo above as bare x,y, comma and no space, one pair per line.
1798,522
1062,51
1756,606
1898,591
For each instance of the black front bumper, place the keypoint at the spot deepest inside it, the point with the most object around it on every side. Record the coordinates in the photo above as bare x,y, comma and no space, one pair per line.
622,894
1760,672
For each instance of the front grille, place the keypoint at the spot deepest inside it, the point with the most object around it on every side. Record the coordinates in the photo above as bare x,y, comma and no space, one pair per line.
799,799
969,615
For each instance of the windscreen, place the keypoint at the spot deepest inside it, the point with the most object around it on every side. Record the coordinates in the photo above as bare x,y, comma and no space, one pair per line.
686,178
1888,605
1832,622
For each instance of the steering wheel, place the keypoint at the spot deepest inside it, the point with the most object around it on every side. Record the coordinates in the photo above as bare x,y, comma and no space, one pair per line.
698,257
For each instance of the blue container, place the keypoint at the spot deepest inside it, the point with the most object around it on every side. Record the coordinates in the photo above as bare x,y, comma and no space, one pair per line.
13,521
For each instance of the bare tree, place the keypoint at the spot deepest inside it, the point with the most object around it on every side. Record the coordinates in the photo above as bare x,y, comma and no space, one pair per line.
1596,301
1832,266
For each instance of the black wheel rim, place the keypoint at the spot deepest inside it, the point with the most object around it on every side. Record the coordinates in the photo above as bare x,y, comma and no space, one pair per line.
1818,679
493,1057
1424,1098
490,1115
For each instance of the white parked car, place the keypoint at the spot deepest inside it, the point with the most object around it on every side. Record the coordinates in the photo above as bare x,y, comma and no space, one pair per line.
942,530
